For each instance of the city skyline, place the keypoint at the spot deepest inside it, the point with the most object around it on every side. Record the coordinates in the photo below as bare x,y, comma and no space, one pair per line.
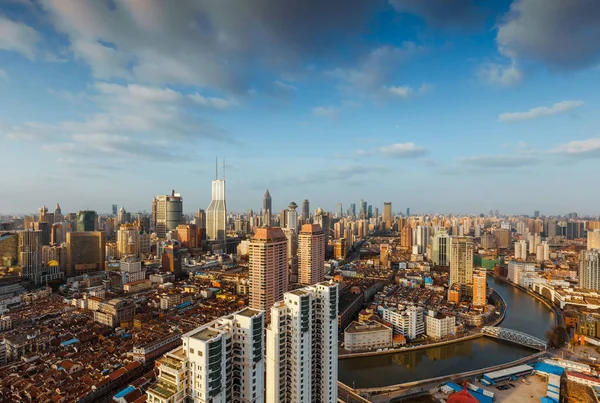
107,100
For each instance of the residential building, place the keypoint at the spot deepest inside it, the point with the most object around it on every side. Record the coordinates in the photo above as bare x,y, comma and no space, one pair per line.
502,237
440,248
406,238
479,288
589,269
408,321
268,274
219,362
369,335
311,256
128,240
187,234
30,255
593,239
113,312
516,270
439,325
461,260
543,252
521,249
302,350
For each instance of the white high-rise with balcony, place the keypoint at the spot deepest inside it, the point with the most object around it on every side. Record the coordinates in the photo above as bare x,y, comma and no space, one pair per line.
302,357
589,269
220,362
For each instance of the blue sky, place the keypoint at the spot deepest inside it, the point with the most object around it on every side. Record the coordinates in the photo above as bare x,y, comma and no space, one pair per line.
451,106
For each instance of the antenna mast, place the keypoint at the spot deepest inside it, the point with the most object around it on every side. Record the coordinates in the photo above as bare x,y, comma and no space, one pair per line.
216,168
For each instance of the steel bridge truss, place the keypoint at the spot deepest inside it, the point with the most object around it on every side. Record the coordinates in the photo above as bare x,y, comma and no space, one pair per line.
515,337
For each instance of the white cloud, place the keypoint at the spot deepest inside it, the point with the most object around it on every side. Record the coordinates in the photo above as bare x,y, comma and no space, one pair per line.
579,148
498,161
213,102
325,111
17,37
403,150
407,91
541,111
500,75
105,62
285,86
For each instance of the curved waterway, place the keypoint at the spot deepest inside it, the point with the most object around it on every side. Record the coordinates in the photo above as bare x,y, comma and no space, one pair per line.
524,313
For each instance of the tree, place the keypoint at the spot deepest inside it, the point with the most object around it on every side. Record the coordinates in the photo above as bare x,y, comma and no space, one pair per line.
557,336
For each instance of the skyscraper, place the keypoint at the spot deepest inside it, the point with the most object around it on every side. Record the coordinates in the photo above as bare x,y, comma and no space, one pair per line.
203,370
167,213
86,220
406,238
387,215
267,209
30,255
408,211
268,275
479,288
440,248
85,252
58,217
422,238
216,214
311,256
322,218
128,241
593,239
305,212
340,211
461,260
292,216
174,211
589,269
353,209
114,209
302,352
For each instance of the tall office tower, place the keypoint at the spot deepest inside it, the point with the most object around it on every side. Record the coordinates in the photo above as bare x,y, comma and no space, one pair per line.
536,213
542,252
122,216
376,214
593,239
461,260
423,234
406,238
58,217
479,288
291,218
302,352
311,256
202,369
86,221
488,241
45,228
353,209
200,219
43,212
305,212
171,257
575,230
370,211
322,218
340,211
187,235
521,249
439,248
268,262
282,218
387,215
86,252
408,211
216,214
267,209
30,254
174,211
292,255
114,209
128,241
589,269
59,232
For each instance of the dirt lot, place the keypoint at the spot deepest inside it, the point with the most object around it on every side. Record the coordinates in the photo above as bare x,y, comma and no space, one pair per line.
522,393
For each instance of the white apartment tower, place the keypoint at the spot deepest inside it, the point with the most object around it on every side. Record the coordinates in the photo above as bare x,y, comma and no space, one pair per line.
461,260
589,269
521,250
302,357
311,256
220,362
440,248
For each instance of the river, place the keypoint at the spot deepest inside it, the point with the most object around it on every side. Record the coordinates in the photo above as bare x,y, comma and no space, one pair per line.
524,313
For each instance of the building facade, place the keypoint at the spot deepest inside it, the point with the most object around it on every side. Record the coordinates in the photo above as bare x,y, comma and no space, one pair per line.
311,256
216,214
461,260
589,269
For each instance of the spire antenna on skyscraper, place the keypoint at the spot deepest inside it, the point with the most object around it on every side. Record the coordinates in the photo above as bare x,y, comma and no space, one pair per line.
216,168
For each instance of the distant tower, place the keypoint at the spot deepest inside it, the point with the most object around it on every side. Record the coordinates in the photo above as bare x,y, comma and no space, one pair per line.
340,211
86,220
387,215
311,254
305,212
58,217
122,216
114,209
216,213
267,209
43,212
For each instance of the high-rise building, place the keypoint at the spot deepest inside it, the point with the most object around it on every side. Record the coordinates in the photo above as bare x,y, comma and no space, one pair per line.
521,249
30,255
302,352
479,288
167,213
422,237
305,212
216,214
58,217
543,252
384,254
353,209
171,257
488,241
461,260
114,209
86,252
536,213
86,220
387,215
589,269
593,239
219,362
292,217
322,218
59,232
440,248
340,211
502,237
122,216
311,257
267,209
575,230
408,211
406,238
268,263
128,241
187,235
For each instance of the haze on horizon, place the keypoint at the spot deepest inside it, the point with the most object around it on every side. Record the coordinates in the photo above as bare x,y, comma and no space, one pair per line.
441,106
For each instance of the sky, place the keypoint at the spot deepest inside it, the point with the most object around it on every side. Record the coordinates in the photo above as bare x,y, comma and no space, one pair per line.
447,106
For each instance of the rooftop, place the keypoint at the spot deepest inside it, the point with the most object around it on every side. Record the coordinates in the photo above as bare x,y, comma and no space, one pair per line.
204,334
249,312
